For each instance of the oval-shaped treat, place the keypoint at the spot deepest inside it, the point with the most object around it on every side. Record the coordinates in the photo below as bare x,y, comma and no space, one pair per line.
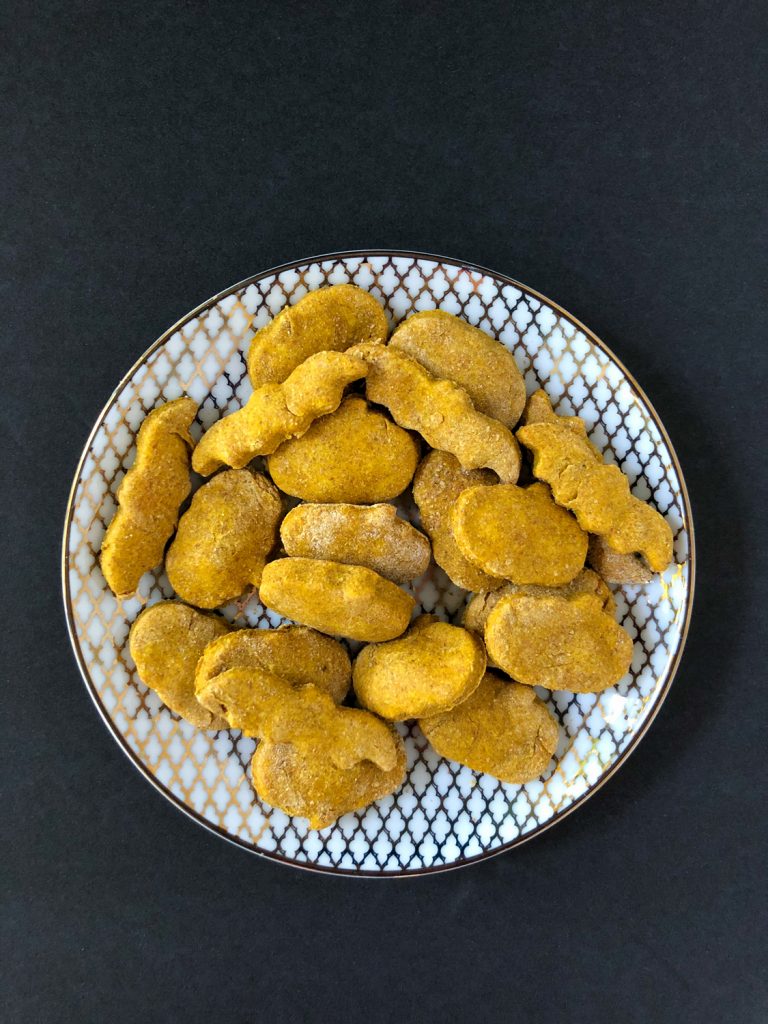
343,600
305,783
431,669
451,348
616,568
327,320
557,642
370,535
149,497
300,655
166,641
437,485
503,729
224,538
519,534
355,455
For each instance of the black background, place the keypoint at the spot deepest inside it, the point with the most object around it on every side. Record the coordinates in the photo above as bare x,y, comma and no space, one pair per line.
610,155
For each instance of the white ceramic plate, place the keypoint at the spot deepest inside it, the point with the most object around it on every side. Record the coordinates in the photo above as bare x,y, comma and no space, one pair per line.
445,815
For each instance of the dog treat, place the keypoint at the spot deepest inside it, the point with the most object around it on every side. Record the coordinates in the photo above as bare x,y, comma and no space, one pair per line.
276,412
431,669
518,534
327,320
451,348
437,485
224,538
502,728
561,643
441,411
597,493
166,641
356,455
616,568
343,600
149,497
370,535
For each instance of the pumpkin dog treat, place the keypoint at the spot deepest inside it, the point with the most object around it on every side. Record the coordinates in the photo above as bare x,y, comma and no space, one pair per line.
598,494
166,641
327,320
343,600
451,348
300,655
149,497
437,485
276,412
562,643
518,534
356,454
616,568
503,729
369,535
439,410
431,669
224,538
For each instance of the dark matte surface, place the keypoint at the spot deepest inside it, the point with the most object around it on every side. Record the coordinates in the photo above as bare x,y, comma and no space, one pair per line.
607,154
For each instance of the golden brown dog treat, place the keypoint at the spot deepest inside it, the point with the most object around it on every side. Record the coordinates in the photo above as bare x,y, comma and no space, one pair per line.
503,729
597,494
343,600
276,412
451,348
327,320
224,538
437,485
300,655
518,534
166,641
587,582
557,642
431,669
306,783
356,455
149,497
439,410
616,568
369,535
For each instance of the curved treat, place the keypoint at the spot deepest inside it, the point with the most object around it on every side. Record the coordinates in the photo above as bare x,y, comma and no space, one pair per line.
356,455
437,485
431,669
557,642
224,538
616,568
149,497
300,655
518,534
327,320
597,494
451,348
166,641
343,600
439,410
369,535
503,729
276,412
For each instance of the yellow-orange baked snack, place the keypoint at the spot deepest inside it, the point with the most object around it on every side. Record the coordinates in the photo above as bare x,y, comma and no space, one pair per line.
503,729
166,641
518,534
451,348
149,497
343,600
224,538
327,320
276,412
370,535
616,568
356,455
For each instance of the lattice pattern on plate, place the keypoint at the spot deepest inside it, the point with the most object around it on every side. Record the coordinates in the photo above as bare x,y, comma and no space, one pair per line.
444,815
